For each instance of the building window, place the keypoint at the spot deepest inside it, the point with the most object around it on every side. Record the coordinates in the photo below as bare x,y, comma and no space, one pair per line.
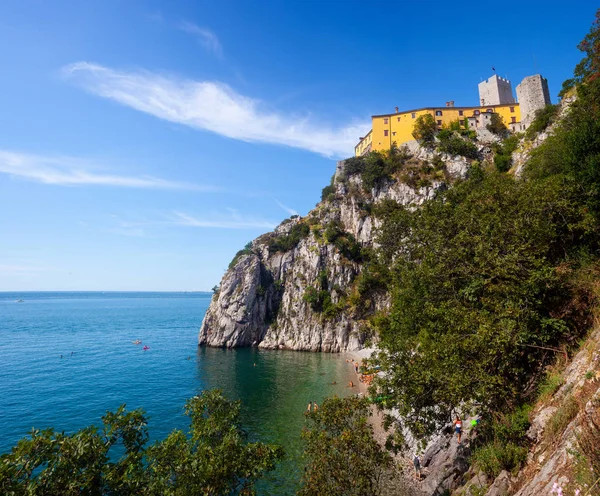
439,123
476,112
393,133
512,109
385,132
413,115
513,119
398,119
385,121
460,112
489,111
438,112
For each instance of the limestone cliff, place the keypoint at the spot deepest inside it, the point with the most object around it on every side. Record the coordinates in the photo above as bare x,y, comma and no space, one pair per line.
290,288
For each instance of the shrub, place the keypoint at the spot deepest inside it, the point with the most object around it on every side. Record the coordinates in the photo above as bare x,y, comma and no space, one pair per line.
452,144
327,193
496,456
343,456
561,418
497,125
549,386
289,241
503,153
342,240
543,118
247,250
425,129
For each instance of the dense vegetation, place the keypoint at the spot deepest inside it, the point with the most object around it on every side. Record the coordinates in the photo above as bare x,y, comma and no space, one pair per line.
343,456
376,168
288,241
212,459
489,277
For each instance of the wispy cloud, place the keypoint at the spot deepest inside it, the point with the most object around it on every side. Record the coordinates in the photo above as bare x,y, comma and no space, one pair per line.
233,221
71,171
205,37
289,210
215,107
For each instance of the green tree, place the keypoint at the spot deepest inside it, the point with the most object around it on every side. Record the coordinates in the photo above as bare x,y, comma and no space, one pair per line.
473,291
343,457
212,459
497,125
425,129
588,68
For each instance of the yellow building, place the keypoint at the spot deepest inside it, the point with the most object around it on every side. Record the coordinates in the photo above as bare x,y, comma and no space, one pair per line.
389,129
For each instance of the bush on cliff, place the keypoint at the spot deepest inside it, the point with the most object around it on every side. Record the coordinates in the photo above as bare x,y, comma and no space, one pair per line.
247,250
375,168
424,130
288,241
213,458
343,457
453,143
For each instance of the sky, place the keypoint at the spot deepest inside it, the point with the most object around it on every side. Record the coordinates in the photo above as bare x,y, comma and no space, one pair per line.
142,143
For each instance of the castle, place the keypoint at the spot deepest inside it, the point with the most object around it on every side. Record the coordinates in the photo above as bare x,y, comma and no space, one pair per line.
495,97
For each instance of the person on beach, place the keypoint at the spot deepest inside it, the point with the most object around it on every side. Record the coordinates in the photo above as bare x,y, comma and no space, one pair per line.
351,384
458,427
417,465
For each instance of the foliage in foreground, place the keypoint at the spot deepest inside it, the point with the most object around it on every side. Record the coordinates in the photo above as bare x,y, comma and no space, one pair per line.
212,459
343,457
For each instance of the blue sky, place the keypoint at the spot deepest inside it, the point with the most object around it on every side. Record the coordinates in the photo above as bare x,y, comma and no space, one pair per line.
143,143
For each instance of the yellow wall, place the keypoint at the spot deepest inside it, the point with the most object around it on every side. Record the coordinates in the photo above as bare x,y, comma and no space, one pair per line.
399,126
364,146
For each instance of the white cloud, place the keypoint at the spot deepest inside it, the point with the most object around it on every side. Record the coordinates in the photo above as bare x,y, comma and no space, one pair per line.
289,210
217,220
206,37
70,171
233,221
215,107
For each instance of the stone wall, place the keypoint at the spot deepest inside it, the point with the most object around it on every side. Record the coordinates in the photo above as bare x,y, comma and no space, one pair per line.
495,91
532,94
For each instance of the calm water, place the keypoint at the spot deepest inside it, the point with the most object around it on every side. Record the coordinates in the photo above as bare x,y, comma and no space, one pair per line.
102,369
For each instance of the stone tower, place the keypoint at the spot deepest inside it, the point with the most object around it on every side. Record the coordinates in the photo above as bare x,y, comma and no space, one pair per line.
495,91
533,95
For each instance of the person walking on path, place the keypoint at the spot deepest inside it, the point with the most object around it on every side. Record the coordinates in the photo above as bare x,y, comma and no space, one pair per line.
417,465
458,427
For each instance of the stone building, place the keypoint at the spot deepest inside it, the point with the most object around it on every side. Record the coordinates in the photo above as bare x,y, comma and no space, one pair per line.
495,91
533,94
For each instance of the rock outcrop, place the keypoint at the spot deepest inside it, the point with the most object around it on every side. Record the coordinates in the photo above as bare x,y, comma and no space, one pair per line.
263,299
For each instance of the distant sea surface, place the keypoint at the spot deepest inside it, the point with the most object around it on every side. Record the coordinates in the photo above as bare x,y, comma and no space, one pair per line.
101,368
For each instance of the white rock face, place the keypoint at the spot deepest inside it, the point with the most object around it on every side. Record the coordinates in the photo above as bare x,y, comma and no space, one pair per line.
260,302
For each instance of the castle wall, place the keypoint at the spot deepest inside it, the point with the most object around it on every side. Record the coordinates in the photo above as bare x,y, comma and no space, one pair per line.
533,94
495,91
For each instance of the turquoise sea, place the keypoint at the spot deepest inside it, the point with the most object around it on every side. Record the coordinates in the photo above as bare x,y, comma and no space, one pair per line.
101,368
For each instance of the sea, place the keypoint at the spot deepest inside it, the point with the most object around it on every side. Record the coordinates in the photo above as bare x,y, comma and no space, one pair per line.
68,357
